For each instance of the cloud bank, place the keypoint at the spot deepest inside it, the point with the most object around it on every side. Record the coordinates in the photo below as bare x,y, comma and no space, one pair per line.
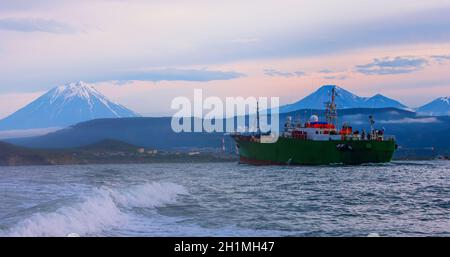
285,74
170,74
441,58
411,120
395,65
35,25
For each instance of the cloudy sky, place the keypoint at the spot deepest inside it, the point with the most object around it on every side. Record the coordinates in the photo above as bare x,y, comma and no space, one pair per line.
144,53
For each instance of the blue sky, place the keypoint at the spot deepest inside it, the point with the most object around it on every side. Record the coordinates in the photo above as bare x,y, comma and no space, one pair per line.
281,48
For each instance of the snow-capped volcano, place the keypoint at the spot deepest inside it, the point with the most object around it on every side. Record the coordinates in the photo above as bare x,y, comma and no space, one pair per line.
63,106
344,100
438,107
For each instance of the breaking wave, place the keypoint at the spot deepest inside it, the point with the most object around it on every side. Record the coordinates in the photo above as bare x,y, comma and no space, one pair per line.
104,209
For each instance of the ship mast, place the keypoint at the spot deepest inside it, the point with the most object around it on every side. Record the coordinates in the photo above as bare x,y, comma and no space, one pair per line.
257,118
331,110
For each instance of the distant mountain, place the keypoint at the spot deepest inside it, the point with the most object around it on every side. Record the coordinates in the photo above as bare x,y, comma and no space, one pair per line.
416,135
411,131
381,101
438,107
63,106
344,100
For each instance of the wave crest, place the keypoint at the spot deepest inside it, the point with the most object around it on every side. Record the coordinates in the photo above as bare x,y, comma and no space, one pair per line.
104,209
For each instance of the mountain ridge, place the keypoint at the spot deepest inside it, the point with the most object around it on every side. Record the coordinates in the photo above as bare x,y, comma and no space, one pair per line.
344,100
438,107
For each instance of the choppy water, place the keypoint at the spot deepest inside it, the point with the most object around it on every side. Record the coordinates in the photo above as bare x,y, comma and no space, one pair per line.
226,199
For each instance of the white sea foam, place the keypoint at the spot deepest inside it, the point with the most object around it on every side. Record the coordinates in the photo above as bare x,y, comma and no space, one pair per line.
148,195
104,209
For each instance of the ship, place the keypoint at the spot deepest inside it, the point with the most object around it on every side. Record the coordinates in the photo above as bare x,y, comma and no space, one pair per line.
316,142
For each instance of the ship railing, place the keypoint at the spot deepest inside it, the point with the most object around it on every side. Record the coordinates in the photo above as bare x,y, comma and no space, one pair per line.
352,137
389,137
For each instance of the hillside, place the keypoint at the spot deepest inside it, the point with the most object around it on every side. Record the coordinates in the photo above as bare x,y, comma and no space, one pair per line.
412,131
103,152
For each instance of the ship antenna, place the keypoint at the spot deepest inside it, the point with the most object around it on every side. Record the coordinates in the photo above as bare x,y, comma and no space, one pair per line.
257,117
372,122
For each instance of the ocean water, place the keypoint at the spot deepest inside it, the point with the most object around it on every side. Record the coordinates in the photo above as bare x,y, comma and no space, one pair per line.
226,199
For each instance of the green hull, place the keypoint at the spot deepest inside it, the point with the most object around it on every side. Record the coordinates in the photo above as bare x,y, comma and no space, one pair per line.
308,152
